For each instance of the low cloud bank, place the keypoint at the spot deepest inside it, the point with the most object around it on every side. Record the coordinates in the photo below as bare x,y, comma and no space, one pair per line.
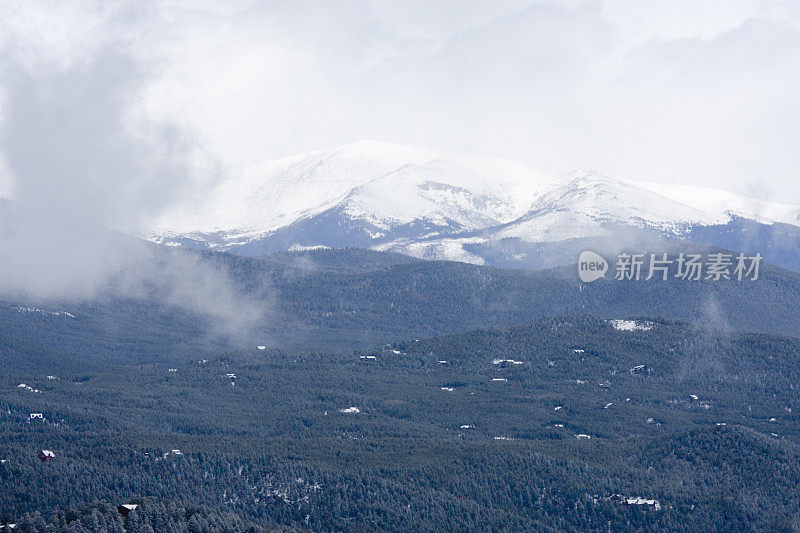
81,164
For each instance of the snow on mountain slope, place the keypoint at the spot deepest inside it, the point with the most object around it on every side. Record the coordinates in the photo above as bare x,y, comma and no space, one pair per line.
436,206
381,182
723,204
414,193
587,205
580,203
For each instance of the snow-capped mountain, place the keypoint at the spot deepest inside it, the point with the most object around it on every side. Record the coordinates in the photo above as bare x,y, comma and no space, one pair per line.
361,194
433,205
587,209
382,184
580,203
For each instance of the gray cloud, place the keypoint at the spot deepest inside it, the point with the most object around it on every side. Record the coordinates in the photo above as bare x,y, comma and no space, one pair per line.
74,146
85,162
695,91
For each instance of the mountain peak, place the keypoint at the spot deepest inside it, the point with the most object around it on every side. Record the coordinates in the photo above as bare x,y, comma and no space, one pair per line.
382,150
427,203
582,176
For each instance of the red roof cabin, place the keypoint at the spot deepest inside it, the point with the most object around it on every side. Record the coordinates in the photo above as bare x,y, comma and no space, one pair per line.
46,456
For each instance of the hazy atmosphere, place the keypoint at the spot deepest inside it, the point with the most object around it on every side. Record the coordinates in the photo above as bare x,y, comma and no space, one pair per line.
697,92
399,265
114,114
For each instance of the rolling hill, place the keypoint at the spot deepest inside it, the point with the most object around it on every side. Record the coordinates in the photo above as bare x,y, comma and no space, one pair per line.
347,299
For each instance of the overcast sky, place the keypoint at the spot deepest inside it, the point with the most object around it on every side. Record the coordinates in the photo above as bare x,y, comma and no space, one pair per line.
151,98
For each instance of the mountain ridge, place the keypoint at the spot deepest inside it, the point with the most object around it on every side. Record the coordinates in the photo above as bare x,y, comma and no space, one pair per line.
431,205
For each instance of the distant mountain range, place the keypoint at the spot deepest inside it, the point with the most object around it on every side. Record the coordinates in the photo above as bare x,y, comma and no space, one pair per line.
431,205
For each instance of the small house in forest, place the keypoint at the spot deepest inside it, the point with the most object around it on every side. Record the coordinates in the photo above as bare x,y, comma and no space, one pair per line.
46,456
126,508
626,500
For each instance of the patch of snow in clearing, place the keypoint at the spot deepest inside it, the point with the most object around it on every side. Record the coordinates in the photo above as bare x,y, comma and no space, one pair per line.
510,361
301,248
350,410
43,311
448,389
442,250
467,426
261,347
630,325
499,379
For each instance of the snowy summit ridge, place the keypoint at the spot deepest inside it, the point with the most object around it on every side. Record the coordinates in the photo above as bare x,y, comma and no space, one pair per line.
434,205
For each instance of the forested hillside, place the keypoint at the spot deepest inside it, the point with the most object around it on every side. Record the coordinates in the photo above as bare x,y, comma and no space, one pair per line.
529,427
338,300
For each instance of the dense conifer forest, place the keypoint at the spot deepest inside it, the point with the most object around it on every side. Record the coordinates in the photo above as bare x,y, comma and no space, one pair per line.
564,424
340,300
